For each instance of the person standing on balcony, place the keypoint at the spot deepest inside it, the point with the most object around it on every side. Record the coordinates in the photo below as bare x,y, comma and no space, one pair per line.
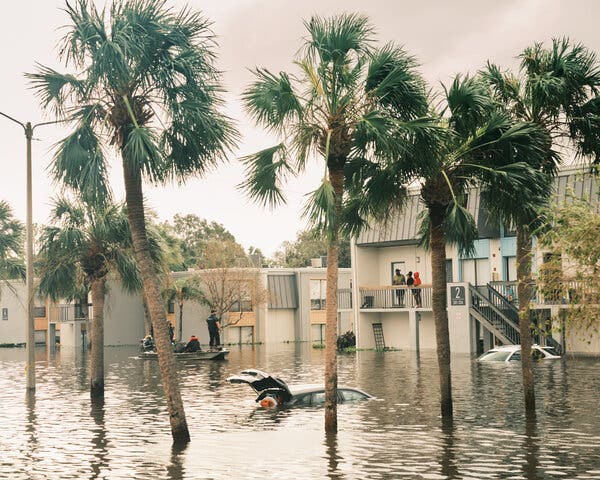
410,281
417,291
399,279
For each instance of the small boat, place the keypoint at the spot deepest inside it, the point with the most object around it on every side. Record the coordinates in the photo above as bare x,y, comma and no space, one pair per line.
201,355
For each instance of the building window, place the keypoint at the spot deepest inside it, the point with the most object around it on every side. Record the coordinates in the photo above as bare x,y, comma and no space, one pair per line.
171,307
318,290
243,306
39,312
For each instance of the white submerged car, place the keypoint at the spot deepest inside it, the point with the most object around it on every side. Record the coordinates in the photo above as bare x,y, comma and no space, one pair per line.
512,353
274,391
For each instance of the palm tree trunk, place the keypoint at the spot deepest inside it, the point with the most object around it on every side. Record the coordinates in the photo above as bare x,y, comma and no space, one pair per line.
97,341
524,250
439,304
135,214
180,320
147,323
331,377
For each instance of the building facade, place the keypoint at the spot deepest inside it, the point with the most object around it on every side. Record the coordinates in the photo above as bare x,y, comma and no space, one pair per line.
391,316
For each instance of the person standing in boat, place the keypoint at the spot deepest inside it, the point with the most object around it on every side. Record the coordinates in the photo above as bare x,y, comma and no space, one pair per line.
214,327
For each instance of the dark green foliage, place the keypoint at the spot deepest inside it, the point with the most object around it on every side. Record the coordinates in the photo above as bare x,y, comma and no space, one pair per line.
346,340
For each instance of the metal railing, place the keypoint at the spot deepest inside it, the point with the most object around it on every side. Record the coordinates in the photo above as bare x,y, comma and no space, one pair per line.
395,297
68,313
566,292
502,325
344,297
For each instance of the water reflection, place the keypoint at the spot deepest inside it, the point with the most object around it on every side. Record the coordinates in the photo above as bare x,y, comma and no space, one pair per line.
176,469
99,442
448,465
60,433
333,458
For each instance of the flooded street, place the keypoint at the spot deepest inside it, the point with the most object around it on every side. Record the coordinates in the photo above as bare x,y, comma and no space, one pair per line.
60,434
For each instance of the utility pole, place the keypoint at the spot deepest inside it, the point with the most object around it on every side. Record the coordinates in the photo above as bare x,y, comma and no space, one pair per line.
30,346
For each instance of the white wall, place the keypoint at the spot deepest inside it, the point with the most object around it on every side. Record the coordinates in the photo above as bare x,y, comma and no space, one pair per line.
123,317
583,342
13,330
427,332
279,326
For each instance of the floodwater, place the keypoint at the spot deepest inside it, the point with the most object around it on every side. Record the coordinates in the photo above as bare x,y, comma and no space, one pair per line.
59,434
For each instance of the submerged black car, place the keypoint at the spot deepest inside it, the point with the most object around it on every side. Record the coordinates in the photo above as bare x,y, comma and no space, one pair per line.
268,386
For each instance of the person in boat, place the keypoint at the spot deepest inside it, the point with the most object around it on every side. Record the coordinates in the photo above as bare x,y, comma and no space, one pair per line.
214,327
147,343
193,345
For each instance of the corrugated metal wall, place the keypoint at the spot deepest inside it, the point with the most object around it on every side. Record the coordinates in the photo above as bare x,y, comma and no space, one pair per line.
402,229
283,291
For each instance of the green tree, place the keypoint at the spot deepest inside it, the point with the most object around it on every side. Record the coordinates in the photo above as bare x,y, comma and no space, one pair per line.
83,248
479,146
558,90
193,234
349,101
145,85
309,244
571,273
11,245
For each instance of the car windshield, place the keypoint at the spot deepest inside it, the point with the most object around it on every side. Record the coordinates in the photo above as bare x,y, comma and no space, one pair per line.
494,356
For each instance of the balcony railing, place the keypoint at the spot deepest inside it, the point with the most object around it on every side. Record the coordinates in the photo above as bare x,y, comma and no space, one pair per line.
394,297
68,313
344,299
566,292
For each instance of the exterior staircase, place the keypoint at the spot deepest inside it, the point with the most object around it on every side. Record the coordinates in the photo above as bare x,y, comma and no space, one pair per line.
495,313
500,316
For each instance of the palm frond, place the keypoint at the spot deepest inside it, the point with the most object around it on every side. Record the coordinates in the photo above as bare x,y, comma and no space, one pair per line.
265,172
331,39
79,162
319,209
460,228
54,88
142,153
393,80
271,101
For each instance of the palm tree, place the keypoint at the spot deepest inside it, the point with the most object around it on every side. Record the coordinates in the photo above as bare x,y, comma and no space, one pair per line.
11,245
181,290
349,101
477,146
145,85
558,90
85,247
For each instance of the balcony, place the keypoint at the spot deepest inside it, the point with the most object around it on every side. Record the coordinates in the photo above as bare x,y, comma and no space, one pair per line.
395,297
68,313
567,292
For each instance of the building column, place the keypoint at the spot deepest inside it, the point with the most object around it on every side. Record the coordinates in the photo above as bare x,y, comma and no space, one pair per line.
414,317
51,337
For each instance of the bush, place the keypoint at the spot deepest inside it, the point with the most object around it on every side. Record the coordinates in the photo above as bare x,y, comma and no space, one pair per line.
347,340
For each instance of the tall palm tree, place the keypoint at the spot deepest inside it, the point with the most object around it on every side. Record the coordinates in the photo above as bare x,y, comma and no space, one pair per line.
11,245
146,86
558,90
477,146
349,101
83,248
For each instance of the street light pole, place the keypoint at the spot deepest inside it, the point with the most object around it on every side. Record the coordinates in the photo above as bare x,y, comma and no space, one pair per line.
30,367
29,268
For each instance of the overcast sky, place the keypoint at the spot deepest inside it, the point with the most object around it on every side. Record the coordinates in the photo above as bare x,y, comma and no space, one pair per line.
447,37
